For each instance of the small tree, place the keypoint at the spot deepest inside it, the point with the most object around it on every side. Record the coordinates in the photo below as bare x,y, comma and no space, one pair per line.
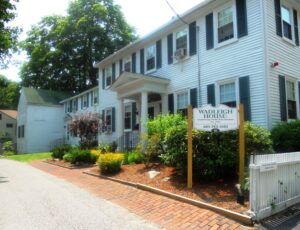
85,126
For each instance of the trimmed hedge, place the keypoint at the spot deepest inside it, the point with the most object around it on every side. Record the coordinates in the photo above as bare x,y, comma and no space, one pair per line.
110,163
77,155
286,137
60,150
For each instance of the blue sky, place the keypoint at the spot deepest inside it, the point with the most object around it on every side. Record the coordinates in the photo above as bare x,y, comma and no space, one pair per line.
144,15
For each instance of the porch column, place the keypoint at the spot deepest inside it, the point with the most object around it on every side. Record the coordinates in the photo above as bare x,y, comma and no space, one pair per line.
144,112
164,103
120,118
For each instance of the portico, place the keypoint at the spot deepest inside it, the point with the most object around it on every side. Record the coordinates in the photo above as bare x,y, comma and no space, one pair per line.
139,96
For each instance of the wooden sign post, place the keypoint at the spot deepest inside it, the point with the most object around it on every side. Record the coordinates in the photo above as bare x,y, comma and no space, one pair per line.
190,148
241,144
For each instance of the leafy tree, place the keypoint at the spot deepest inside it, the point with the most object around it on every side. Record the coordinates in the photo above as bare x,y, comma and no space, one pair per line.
8,35
62,50
9,93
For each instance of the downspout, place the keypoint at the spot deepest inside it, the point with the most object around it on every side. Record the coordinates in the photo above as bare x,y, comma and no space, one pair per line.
199,69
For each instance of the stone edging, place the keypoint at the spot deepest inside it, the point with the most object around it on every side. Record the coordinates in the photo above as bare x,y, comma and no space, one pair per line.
230,214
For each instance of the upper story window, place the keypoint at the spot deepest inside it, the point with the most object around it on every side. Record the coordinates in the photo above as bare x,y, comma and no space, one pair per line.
181,39
108,77
291,99
95,96
286,22
225,24
9,125
150,58
127,64
69,108
228,94
85,101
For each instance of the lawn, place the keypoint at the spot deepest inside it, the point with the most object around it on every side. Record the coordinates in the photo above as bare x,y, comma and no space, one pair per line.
30,157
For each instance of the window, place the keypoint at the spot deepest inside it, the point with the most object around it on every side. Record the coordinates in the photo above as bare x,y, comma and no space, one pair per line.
127,64
291,99
127,117
95,97
75,105
181,40
286,22
9,125
108,77
225,24
0,116
108,118
228,94
21,131
150,58
85,101
182,103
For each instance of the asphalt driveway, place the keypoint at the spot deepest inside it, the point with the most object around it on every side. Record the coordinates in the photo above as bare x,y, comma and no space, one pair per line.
31,199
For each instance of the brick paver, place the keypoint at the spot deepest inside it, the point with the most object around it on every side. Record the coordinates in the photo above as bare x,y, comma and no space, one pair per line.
166,212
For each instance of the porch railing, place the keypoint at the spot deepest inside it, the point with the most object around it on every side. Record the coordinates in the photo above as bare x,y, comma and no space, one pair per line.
128,141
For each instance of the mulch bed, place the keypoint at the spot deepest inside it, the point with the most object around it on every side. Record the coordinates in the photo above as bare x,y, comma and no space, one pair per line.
68,164
219,193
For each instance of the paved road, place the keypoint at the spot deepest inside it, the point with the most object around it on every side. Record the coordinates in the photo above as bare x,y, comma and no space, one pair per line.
31,199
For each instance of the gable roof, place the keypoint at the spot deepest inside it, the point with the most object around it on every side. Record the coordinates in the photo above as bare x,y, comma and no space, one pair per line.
11,113
44,97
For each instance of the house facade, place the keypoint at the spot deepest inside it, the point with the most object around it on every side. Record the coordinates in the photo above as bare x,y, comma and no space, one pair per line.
8,123
219,52
40,123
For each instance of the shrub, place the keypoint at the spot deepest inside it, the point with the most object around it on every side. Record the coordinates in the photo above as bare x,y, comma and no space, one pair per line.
8,146
110,163
77,155
88,144
215,155
104,148
8,153
150,147
60,150
286,137
95,152
135,158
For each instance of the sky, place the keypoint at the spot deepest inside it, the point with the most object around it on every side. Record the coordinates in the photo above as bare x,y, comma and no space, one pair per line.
144,15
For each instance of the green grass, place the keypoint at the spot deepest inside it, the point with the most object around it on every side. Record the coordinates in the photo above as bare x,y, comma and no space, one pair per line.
30,157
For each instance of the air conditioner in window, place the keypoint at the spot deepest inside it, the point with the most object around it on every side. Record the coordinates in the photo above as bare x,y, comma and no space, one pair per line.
180,54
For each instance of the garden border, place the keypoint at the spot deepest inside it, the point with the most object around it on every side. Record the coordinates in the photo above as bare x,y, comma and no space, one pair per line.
66,167
230,214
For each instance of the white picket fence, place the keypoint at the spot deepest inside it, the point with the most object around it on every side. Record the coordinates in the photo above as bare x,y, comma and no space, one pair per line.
274,183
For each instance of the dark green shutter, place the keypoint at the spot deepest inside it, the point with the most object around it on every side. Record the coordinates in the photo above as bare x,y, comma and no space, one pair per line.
241,10
209,31
194,97
103,79
92,98
244,86
133,115
133,59
158,54
171,103
278,17
142,61
66,107
170,48
87,99
295,14
299,94
113,119
113,73
103,120
211,98
120,66
81,102
282,96
193,38
71,106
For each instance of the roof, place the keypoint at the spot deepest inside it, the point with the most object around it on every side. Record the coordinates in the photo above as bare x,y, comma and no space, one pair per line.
162,29
44,97
79,94
11,113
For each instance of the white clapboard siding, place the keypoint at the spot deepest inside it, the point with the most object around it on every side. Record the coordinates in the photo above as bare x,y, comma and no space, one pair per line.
274,190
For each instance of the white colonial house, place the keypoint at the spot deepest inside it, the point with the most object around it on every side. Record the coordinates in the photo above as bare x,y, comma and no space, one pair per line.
219,52
40,120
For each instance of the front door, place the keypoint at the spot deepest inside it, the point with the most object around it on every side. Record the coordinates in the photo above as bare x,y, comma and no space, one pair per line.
151,112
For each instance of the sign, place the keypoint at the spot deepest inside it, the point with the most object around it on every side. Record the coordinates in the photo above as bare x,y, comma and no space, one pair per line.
222,118
268,167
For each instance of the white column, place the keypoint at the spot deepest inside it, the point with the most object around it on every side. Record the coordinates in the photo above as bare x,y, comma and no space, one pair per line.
164,103
144,112
120,118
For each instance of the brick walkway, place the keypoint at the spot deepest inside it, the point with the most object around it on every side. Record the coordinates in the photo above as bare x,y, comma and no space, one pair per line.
166,212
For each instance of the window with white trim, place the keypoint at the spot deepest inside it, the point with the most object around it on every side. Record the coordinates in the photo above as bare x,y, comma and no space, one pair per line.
95,97
228,94
85,101
182,102
108,76
291,99
286,15
75,105
181,39
150,58
127,117
127,64
108,118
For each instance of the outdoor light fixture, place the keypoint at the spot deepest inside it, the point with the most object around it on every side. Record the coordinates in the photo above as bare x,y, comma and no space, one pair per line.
275,64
